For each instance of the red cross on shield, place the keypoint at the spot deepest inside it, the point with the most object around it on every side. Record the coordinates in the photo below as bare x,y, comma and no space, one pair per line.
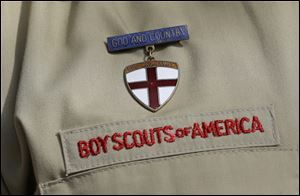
152,83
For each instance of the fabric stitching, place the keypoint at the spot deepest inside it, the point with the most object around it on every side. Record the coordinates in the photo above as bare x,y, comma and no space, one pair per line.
70,166
181,151
47,185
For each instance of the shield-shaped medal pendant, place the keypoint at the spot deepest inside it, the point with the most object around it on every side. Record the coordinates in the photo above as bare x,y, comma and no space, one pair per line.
152,83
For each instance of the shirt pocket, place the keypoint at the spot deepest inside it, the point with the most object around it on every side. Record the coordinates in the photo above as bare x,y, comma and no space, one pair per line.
86,150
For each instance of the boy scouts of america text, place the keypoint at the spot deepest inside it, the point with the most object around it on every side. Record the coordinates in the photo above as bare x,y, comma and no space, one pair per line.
154,136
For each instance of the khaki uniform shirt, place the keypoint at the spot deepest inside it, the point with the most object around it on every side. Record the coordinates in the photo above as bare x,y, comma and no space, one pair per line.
57,75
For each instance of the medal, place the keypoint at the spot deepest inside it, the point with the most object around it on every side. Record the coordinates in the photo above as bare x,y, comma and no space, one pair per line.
151,83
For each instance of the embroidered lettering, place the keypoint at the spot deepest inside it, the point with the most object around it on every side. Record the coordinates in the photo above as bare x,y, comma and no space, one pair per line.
135,140
138,139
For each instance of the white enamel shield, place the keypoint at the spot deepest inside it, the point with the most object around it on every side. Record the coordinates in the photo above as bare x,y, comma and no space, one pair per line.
152,83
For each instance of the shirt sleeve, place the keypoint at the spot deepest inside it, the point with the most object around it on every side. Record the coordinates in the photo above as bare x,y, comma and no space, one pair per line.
16,169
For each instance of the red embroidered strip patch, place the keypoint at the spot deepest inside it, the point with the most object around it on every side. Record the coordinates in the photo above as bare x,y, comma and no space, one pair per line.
152,138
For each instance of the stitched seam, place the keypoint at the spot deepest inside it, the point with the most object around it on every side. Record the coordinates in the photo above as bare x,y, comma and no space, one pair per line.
49,184
66,152
98,163
70,168
275,137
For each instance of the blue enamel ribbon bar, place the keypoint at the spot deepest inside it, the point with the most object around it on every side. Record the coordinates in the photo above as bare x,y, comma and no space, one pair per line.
145,38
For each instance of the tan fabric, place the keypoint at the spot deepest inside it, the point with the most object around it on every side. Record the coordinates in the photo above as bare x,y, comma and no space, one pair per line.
56,74
182,128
